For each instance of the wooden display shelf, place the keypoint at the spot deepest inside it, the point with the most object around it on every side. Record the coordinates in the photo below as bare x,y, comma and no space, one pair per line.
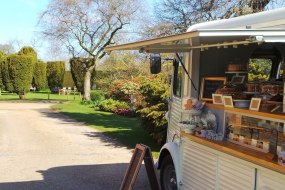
250,155
245,126
257,114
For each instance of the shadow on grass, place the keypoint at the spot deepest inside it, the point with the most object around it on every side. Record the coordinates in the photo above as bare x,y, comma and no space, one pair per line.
114,130
85,177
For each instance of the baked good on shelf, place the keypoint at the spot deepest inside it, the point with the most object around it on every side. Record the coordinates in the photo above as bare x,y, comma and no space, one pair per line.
236,67
252,87
272,89
232,90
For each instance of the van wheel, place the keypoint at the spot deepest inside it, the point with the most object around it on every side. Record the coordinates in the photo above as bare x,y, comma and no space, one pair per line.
167,174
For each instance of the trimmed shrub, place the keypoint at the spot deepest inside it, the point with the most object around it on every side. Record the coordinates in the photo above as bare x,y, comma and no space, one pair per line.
6,76
21,69
39,80
55,74
68,80
111,105
1,70
27,50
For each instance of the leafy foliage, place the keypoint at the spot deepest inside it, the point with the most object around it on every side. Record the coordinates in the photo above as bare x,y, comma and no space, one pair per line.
40,78
55,74
97,96
126,112
259,69
111,105
115,91
155,91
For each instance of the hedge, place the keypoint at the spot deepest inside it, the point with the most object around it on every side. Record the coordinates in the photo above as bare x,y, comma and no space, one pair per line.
68,80
40,79
55,74
1,83
6,76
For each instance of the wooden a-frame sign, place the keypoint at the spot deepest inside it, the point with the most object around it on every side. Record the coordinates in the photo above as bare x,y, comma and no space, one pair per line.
142,152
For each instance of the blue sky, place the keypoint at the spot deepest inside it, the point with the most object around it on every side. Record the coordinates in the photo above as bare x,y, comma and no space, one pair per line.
19,19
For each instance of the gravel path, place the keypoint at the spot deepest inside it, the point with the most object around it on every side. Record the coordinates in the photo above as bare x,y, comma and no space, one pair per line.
42,149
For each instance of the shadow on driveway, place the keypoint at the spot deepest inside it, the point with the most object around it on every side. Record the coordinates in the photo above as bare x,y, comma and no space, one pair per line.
81,177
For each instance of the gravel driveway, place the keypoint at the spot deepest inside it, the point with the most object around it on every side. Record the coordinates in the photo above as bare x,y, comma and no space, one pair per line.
42,149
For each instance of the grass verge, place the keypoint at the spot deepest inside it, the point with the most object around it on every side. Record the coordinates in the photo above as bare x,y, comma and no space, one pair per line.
40,96
126,130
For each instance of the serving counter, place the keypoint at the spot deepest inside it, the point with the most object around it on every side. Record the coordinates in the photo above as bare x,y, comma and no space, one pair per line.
232,166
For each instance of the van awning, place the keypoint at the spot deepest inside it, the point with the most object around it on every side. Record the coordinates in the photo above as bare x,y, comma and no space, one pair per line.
205,39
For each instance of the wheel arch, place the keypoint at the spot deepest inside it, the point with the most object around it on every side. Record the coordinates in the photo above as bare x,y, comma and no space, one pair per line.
171,149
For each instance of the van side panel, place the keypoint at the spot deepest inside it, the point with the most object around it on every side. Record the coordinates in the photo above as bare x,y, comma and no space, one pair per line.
173,130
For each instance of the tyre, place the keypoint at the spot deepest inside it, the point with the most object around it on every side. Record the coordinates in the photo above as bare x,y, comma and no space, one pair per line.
168,179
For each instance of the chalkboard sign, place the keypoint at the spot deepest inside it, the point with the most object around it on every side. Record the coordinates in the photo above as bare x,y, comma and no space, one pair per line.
142,152
209,85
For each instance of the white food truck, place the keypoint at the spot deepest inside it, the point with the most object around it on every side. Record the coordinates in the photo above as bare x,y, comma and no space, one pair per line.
238,137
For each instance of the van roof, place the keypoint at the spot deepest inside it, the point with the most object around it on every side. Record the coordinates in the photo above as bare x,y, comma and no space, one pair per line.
225,32
274,19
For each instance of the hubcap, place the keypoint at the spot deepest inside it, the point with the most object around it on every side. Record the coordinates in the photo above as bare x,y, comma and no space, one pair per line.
169,178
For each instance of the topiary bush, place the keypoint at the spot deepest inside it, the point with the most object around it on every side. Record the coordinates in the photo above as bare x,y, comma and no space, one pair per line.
55,74
6,76
111,105
1,70
68,80
40,77
21,70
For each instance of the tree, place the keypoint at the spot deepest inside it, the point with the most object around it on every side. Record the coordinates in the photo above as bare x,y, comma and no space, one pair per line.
86,27
78,68
183,13
55,74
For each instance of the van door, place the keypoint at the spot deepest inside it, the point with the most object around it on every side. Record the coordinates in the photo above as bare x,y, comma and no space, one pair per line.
175,102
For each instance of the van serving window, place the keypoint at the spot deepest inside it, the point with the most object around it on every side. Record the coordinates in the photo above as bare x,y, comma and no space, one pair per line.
265,64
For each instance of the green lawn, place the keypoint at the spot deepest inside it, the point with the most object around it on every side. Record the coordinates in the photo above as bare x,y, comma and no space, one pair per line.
126,130
39,96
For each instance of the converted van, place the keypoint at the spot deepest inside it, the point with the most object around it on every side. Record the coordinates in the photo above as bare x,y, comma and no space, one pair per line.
226,115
